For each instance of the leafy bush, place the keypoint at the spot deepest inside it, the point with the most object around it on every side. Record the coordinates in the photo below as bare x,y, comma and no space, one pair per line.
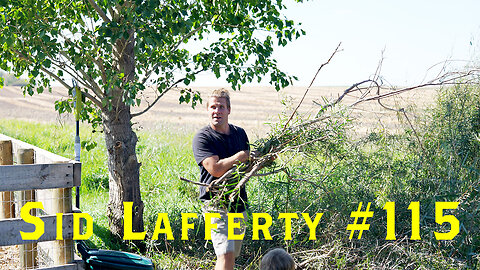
452,163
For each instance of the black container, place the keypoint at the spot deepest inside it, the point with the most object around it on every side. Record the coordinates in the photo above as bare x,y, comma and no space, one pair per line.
98,259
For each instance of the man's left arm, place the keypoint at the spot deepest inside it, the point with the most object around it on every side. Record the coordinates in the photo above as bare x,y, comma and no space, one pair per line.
218,167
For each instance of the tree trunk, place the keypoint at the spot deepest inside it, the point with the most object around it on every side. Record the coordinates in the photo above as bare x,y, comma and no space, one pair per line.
121,142
124,181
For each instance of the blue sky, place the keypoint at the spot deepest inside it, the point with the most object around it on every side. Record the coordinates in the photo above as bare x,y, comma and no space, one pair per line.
414,35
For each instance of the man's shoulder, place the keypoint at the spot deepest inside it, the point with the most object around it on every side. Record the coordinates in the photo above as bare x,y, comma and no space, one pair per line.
204,129
236,129
201,132
204,134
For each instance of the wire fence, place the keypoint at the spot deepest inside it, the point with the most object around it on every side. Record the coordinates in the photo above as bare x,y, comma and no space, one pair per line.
36,176
42,254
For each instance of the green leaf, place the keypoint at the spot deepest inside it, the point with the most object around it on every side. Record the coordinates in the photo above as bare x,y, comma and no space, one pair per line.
88,145
47,63
34,73
9,41
45,30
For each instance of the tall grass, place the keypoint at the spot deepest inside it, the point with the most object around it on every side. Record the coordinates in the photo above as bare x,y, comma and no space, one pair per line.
378,168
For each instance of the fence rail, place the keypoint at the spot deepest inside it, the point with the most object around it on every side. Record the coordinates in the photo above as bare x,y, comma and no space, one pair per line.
49,179
41,156
39,176
10,229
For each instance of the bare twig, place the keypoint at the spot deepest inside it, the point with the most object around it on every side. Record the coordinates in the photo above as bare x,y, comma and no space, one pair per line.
193,182
448,78
311,83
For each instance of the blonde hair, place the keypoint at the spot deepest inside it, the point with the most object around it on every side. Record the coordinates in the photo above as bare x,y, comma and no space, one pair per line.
277,259
220,93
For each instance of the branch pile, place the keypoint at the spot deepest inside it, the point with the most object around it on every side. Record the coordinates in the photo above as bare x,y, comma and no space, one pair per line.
305,135
305,138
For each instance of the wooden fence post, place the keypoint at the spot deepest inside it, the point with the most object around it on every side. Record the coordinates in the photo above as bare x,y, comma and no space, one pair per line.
62,203
7,207
28,252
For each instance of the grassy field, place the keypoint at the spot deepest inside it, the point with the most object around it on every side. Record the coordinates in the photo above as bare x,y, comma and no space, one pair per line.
374,164
252,107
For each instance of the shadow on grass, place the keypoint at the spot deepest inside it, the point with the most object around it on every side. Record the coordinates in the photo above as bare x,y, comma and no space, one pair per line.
111,241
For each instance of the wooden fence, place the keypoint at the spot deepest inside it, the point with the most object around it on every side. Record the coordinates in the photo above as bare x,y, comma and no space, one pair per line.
44,177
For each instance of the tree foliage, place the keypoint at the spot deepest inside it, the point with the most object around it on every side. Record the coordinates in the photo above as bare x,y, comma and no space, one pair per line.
173,41
115,49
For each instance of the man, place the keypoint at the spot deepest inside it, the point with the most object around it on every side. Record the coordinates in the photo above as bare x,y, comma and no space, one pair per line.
217,148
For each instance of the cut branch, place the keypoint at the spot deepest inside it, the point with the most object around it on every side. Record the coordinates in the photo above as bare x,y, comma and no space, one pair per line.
296,138
193,182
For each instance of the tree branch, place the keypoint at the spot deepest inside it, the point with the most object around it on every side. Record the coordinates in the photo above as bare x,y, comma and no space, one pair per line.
60,80
92,98
161,95
445,79
346,92
153,103
93,85
99,11
193,182
70,71
311,83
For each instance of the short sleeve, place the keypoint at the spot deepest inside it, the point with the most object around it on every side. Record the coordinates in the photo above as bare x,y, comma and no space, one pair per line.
202,147
247,146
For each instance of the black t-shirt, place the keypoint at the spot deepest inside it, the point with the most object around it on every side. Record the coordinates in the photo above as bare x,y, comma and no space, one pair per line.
208,142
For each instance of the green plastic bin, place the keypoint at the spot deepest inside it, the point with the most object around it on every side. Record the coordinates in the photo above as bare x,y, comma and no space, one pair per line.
99,259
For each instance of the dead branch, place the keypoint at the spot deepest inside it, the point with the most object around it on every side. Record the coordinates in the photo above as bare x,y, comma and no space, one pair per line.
313,80
193,182
449,78
292,138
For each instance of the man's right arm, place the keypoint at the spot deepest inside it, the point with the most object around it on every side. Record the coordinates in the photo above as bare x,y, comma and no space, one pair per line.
218,167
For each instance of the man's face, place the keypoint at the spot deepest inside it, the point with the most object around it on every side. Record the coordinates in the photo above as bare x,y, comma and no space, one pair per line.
218,111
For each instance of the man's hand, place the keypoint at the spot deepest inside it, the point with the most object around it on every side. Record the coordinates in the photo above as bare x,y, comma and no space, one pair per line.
217,167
